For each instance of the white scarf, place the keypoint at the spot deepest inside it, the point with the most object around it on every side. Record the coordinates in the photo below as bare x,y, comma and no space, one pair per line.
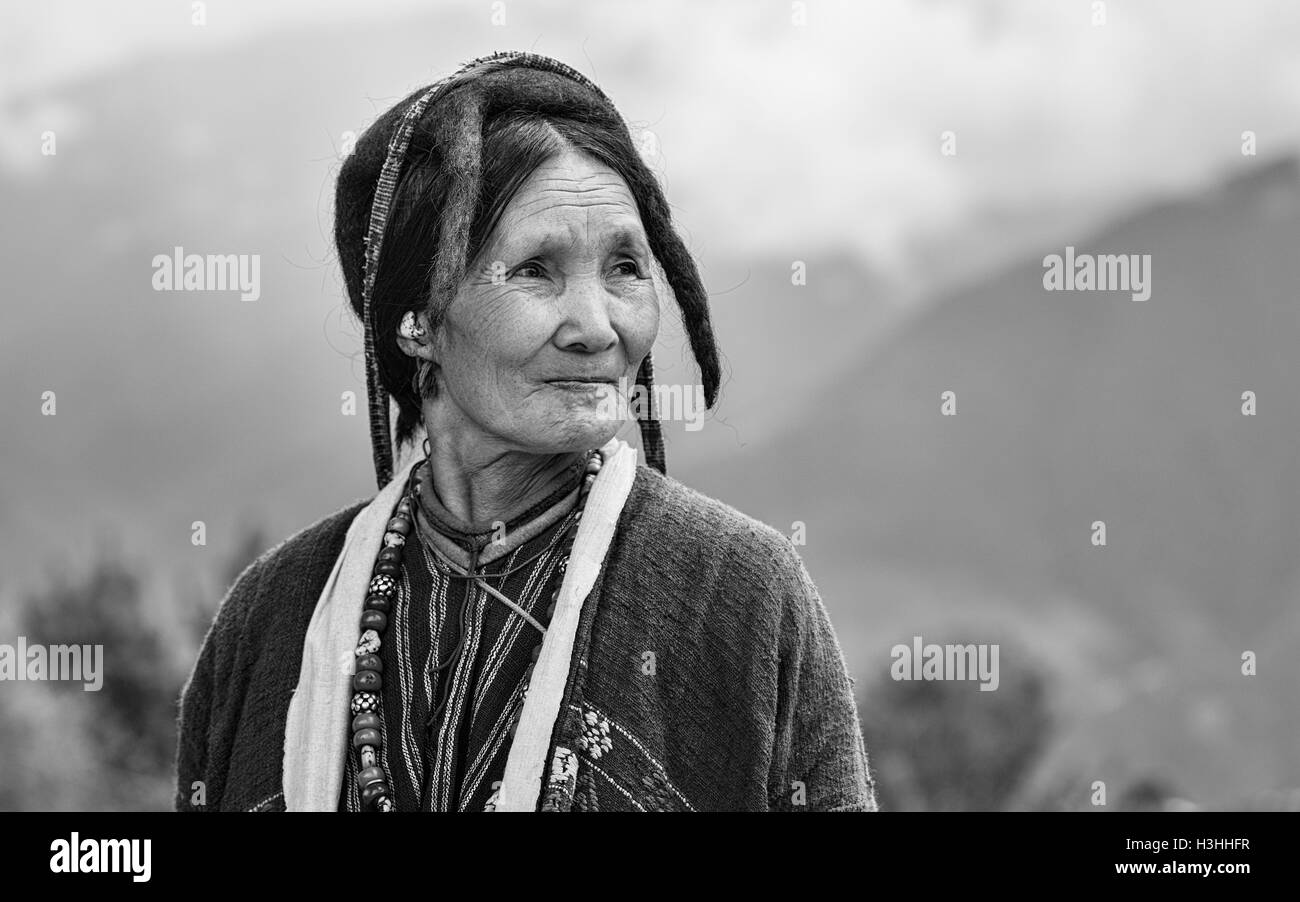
316,736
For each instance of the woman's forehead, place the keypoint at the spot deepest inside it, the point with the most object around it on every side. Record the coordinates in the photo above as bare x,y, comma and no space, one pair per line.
570,200
571,228
570,179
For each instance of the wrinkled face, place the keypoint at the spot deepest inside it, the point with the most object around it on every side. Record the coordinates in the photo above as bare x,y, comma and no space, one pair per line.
556,309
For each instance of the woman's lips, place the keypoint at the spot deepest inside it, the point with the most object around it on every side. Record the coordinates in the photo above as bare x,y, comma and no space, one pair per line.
581,385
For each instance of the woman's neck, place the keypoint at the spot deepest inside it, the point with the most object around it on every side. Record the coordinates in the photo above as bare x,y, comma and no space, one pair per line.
483,489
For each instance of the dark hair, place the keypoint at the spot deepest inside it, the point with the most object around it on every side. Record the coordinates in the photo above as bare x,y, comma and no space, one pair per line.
511,121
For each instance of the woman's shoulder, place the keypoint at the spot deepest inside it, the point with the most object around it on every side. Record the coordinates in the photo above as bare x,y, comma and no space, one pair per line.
315,543
292,571
683,524
663,497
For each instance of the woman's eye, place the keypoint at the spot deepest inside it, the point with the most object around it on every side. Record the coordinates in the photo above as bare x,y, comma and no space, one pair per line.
627,268
530,270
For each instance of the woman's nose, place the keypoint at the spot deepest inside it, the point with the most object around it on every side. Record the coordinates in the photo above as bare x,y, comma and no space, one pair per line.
586,325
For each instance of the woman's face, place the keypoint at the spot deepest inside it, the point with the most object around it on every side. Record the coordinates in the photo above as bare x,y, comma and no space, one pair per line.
558,307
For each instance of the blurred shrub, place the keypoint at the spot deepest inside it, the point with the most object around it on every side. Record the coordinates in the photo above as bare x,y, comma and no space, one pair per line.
943,745
132,727
112,749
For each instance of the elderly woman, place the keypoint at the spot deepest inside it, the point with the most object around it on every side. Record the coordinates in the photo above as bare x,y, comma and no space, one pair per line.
525,617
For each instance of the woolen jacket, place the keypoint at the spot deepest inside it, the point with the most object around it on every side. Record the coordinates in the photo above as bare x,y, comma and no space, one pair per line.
706,674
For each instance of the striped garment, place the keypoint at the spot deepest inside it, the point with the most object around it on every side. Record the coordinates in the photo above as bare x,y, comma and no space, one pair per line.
453,647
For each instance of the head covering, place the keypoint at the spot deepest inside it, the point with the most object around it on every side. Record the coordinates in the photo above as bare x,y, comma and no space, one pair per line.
461,102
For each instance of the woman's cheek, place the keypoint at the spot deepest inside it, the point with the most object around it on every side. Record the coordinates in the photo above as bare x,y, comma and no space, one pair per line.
642,324
506,328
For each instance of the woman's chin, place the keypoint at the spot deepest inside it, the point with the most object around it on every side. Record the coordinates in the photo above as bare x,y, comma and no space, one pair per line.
596,432
581,431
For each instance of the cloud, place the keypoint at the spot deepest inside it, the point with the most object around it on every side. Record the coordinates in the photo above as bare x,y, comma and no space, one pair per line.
781,136
24,127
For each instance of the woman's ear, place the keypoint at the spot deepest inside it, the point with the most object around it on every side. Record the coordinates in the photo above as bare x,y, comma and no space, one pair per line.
421,347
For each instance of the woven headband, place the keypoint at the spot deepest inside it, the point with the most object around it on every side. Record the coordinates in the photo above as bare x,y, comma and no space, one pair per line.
399,142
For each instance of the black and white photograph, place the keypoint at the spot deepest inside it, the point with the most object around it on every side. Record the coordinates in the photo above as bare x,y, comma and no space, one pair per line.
486,406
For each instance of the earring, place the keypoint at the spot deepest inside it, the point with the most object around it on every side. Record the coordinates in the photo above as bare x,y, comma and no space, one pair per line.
417,379
410,327
424,382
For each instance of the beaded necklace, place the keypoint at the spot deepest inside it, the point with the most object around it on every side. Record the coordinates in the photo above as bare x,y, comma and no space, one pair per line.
372,780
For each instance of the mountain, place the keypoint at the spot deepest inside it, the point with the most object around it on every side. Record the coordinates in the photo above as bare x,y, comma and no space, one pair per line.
1074,407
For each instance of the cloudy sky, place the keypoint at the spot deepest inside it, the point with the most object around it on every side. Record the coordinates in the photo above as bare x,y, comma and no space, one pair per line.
857,95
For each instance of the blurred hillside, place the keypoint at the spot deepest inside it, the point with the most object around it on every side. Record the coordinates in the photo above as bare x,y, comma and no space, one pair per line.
1076,407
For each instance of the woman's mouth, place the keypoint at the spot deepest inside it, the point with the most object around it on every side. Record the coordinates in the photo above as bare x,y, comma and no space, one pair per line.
582,385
